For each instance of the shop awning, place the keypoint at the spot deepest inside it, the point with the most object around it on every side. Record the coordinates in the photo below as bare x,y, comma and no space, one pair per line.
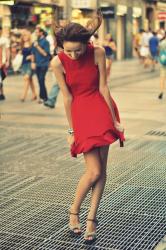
38,2
162,16
7,2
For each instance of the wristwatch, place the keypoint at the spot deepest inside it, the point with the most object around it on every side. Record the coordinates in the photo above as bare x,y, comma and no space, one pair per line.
70,131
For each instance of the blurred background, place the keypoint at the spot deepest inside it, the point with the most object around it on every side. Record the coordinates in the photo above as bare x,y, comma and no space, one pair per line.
123,19
38,177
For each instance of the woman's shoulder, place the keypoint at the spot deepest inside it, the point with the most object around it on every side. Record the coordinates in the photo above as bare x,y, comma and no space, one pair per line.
99,54
56,62
99,50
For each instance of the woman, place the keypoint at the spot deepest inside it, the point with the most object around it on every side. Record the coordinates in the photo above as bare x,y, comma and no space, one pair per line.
26,66
162,60
92,115
4,60
110,47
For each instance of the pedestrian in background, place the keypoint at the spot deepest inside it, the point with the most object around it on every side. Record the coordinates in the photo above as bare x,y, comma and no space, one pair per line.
40,61
110,48
92,114
144,50
137,43
4,61
153,47
160,34
26,69
53,94
162,60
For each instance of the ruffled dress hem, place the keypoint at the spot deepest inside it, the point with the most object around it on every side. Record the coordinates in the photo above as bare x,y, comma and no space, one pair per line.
96,141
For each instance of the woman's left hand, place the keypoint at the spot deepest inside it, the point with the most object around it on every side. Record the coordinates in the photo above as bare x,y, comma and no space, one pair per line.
29,57
33,66
70,139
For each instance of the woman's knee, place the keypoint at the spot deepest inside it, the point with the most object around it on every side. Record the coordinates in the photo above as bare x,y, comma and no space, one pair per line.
26,77
94,175
93,163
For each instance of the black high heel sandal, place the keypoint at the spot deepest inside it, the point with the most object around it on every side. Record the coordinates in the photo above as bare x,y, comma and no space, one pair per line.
160,95
75,227
121,143
92,234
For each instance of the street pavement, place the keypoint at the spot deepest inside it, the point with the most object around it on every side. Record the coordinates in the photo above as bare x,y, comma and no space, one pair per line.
38,177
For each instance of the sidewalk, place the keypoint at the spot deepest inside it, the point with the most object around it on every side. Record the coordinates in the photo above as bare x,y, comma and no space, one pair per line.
38,177
130,71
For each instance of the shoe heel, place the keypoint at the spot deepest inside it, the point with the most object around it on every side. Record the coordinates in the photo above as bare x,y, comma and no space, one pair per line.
93,235
121,143
75,227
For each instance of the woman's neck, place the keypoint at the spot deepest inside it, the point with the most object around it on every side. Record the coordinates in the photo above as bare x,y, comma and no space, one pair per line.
27,44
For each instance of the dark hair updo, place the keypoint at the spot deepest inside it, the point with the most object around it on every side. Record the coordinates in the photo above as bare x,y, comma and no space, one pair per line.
75,32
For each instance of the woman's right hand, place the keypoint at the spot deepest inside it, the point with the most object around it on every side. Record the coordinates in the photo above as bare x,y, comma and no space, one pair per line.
33,65
29,57
118,126
70,139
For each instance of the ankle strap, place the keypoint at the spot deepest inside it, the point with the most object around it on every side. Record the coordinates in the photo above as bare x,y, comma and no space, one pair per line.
73,213
93,220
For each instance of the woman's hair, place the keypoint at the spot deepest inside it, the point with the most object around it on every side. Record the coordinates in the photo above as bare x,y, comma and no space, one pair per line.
28,34
75,32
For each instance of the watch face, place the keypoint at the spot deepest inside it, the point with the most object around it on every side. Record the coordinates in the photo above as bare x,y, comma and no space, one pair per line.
70,131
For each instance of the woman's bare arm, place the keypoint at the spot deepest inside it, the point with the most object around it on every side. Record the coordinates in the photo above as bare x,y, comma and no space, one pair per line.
103,87
113,46
67,97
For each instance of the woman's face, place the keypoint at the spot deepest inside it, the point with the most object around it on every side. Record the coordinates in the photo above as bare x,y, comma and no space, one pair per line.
108,37
74,49
26,36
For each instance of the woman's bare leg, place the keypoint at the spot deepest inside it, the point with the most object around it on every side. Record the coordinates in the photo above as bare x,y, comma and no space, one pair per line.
91,175
97,189
26,87
162,84
32,88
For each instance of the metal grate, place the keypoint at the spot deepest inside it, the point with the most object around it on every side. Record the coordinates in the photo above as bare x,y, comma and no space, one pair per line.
54,244
118,231
143,145
14,242
38,180
63,245
33,219
136,200
156,133
161,245
14,183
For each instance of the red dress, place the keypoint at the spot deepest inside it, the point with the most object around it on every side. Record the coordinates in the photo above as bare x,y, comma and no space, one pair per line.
91,117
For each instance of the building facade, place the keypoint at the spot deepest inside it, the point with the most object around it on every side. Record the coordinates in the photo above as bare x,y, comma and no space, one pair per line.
27,13
121,18
126,21
5,13
160,15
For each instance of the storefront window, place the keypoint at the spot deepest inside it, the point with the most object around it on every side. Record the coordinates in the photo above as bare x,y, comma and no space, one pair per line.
20,15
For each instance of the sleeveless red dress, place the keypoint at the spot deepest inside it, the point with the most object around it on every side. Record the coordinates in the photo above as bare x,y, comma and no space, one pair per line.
91,117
